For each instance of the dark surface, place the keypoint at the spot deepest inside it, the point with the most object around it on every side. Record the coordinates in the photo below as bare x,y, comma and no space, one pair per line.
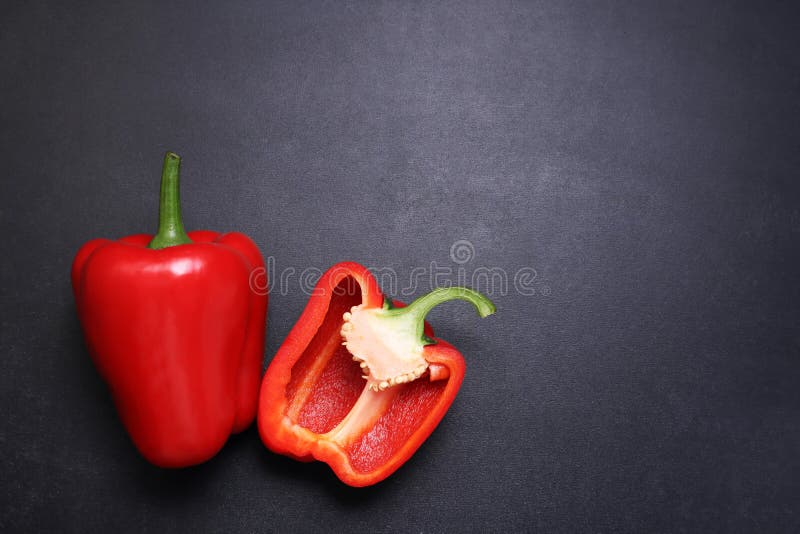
643,159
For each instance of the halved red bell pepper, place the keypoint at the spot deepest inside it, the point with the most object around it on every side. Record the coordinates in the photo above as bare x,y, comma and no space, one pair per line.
176,331
359,382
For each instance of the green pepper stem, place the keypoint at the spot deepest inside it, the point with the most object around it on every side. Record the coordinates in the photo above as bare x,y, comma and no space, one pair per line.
170,224
417,310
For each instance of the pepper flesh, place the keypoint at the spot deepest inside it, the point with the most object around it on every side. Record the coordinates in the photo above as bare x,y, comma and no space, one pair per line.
174,329
316,405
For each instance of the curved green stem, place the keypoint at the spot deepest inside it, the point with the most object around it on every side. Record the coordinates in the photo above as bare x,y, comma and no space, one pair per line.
170,224
415,312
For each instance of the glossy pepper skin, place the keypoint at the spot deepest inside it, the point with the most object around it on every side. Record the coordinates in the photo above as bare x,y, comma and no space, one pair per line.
175,330
315,403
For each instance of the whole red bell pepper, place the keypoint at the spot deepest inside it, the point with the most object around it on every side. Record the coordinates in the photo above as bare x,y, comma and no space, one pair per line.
174,328
360,382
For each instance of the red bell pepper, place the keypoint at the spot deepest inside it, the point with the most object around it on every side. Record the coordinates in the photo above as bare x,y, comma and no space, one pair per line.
175,330
360,382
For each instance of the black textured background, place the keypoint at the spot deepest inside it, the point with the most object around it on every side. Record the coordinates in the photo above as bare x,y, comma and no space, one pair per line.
642,157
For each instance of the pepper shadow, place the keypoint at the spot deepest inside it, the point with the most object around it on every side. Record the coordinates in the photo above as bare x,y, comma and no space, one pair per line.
76,363
173,486
285,470
412,474
177,485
